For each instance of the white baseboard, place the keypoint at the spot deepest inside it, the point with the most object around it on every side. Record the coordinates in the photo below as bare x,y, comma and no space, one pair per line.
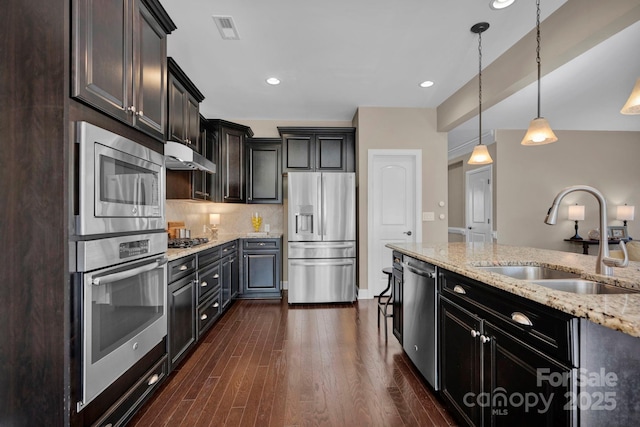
365,294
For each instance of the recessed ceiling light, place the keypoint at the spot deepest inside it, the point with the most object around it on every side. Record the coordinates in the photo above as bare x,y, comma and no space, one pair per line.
273,81
500,4
427,83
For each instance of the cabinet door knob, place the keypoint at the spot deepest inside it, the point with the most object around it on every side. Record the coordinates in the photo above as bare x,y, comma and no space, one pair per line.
521,318
474,333
484,339
131,109
459,290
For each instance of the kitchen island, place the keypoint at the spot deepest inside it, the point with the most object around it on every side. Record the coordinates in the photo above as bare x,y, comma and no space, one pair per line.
502,341
620,312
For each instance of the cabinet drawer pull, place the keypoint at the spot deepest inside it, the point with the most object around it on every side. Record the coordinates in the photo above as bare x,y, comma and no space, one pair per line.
396,260
474,333
203,317
154,379
459,290
216,304
215,276
521,319
203,284
183,267
484,339
261,244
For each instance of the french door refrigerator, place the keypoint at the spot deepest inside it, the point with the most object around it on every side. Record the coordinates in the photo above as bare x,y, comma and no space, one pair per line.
321,237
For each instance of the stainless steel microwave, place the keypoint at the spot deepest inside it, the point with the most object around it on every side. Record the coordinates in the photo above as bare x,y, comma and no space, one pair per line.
121,184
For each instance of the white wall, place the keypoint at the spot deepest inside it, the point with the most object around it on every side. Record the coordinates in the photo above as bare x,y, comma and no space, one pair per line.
528,178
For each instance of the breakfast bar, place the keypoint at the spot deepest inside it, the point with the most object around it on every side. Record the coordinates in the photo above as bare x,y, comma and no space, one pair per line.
499,329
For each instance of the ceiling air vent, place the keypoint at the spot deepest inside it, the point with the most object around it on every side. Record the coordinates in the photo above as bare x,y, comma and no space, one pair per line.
227,27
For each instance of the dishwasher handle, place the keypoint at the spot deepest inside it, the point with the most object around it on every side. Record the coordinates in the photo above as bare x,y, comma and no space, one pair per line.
429,274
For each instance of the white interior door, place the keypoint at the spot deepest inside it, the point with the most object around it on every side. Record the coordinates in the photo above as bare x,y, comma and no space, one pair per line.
479,211
395,200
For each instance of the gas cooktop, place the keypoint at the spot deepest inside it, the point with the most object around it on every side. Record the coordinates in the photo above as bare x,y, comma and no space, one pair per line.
186,242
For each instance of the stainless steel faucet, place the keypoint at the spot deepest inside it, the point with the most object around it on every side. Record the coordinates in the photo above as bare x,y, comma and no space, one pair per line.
604,263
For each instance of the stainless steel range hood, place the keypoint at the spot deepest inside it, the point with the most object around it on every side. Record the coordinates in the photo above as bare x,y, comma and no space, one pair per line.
180,157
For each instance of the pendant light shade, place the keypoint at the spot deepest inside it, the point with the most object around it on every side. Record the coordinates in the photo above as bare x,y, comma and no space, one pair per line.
539,132
633,103
480,155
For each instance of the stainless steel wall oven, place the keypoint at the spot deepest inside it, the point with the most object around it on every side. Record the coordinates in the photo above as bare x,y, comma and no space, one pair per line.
121,285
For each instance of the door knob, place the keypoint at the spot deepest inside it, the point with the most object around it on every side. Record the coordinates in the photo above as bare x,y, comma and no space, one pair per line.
408,233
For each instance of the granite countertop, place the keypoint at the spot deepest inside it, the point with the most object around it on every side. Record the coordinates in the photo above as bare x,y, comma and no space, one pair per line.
616,311
173,254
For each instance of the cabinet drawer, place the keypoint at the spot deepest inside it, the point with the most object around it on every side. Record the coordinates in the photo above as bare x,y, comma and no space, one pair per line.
544,328
228,248
261,243
181,267
208,312
133,399
208,256
208,280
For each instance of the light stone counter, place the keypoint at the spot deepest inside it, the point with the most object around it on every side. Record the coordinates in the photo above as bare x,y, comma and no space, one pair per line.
173,254
616,311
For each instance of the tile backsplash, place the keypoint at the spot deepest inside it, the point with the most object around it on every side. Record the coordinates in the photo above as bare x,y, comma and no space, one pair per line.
234,217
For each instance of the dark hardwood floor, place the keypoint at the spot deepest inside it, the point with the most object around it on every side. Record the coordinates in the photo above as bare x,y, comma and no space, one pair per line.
269,364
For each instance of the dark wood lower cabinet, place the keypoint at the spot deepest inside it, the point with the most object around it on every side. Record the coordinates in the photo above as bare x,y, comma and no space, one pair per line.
397,303
182,322
460,361
261,265
518,382
492,378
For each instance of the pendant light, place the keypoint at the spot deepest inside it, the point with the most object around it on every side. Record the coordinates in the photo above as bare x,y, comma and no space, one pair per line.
632,106
539,131
480,155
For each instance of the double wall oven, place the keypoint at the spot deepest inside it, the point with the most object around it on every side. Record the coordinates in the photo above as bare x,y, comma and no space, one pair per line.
119,247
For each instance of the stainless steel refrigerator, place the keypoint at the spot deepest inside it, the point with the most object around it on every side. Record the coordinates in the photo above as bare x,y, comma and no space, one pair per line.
321,237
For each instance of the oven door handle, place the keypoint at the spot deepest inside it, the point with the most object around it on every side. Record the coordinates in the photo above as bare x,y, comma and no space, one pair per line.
128,273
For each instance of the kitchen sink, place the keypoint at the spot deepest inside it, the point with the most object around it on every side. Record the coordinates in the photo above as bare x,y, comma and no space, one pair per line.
581,286
530,272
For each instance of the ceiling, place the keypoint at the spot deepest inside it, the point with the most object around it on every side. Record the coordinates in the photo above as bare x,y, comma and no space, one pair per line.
333,56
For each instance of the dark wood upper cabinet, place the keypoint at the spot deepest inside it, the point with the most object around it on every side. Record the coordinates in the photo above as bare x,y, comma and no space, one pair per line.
318,149
264,170
119,60
184,108
230,176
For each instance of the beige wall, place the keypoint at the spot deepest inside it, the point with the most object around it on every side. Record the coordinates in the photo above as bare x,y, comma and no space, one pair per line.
458,169
402,128
456,198
529,178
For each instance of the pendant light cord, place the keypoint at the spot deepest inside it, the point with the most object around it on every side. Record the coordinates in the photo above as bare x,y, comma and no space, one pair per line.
480,87
538,50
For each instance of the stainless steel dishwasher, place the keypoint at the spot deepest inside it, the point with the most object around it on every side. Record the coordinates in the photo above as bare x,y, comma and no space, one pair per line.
420,317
